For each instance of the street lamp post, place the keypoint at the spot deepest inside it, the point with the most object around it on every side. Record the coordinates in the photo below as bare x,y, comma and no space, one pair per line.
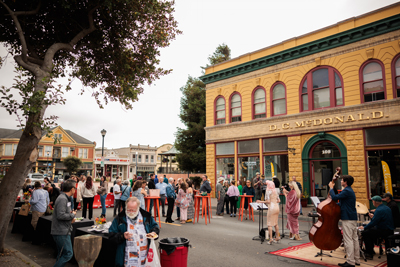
103,133
47,154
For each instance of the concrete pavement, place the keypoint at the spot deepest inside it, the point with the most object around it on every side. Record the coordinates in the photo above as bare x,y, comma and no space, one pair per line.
226,241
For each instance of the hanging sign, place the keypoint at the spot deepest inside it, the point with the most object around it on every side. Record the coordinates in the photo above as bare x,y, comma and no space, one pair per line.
387,178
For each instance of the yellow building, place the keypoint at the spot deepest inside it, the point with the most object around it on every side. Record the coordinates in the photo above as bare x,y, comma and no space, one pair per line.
310,104
51,153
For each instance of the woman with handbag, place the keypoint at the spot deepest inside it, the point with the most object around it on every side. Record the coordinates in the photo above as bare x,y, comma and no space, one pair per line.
139,193
182,201
233,193
126,192
103,191
88,192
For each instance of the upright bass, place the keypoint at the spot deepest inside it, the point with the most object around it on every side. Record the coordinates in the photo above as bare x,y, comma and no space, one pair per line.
325,234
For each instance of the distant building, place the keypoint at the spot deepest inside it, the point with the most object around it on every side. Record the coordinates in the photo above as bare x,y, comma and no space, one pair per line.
116,162
166,159
143,160
50,155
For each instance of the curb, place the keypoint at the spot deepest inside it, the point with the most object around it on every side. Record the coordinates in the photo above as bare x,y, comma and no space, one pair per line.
22,257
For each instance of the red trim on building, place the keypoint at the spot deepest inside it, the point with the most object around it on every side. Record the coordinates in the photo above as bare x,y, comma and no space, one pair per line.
271,100
361,78
332,88
253,110
215,109
393,69
230,107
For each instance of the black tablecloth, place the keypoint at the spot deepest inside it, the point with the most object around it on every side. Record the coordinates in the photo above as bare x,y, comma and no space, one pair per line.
108,248
22,225
43,229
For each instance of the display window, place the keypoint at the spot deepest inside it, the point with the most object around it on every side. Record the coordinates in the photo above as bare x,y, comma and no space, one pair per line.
248,167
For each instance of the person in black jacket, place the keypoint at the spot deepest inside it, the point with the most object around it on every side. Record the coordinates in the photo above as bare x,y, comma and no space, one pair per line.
151,185
54,192
393,207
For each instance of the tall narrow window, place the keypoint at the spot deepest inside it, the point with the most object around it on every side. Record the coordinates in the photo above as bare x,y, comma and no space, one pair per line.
396,76
321,88
140,158
372,87
65,152
147,158
259,104
220,111
278,99
236,108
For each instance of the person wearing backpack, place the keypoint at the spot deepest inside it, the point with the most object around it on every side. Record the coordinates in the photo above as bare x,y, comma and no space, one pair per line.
171,200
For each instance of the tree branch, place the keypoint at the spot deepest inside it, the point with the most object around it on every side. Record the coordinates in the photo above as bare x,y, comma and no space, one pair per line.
33,68
35,60
32,12
48,58
19,30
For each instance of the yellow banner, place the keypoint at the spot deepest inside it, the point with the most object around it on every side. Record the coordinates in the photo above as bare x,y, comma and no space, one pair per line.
272,169
387,178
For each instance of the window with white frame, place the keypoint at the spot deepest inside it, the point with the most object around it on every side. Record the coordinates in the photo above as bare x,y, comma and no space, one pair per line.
47,151
40,151
65,152
8,150
83,153
152,159
15,149
139,158
147,158
57,137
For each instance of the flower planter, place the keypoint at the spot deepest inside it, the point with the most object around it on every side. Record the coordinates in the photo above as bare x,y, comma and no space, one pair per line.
304,202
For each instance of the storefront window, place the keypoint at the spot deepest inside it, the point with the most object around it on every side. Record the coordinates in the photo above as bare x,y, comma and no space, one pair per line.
225,168
275,144
384,172
248,166
277,165
225,148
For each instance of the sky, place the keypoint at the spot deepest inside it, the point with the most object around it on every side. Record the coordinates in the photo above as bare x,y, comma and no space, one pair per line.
245,26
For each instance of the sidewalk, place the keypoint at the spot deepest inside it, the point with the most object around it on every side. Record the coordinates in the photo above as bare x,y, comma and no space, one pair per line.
14,258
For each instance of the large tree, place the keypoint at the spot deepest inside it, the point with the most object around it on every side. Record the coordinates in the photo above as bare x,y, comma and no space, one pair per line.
111,46
191,141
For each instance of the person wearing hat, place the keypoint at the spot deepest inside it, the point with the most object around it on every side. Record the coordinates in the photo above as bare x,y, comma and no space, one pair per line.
381,226
257,184
348,215
393,207
220,191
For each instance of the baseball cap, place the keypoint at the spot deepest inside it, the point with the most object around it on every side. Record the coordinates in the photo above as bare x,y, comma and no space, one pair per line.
257,173
377,198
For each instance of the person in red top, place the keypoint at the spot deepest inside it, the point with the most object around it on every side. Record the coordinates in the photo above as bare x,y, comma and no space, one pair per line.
76,192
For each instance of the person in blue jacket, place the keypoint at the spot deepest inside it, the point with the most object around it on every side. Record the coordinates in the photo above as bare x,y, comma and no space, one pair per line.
381,226
128,230
348,215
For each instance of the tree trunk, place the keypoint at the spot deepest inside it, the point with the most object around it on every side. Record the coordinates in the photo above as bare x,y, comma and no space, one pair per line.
25,157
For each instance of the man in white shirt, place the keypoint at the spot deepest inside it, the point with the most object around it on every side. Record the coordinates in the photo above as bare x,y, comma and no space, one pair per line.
117,196
39,202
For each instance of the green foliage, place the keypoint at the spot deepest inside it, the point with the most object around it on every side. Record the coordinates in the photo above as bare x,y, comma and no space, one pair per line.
72,164
191,141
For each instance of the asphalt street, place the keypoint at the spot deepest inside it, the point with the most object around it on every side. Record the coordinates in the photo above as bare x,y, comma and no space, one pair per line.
225,241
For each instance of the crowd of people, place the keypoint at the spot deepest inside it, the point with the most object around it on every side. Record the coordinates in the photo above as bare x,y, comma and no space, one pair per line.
131,220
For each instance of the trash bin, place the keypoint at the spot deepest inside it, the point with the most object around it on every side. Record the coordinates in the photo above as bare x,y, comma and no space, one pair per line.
174,252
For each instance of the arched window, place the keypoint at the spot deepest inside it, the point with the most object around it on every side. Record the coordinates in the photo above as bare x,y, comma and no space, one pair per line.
372,81
321,88
396,76
236,108
259,108
278,99
220,110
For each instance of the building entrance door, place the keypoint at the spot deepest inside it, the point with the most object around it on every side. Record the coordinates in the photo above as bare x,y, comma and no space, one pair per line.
321,174
325,158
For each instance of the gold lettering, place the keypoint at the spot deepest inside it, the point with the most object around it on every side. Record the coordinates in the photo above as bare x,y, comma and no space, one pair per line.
350,118
360,116
374,116
309,123
317,123
285,126
300,124
326,121
272,128
341,119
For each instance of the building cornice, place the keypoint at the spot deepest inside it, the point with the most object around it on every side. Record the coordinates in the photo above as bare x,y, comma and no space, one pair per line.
340,39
